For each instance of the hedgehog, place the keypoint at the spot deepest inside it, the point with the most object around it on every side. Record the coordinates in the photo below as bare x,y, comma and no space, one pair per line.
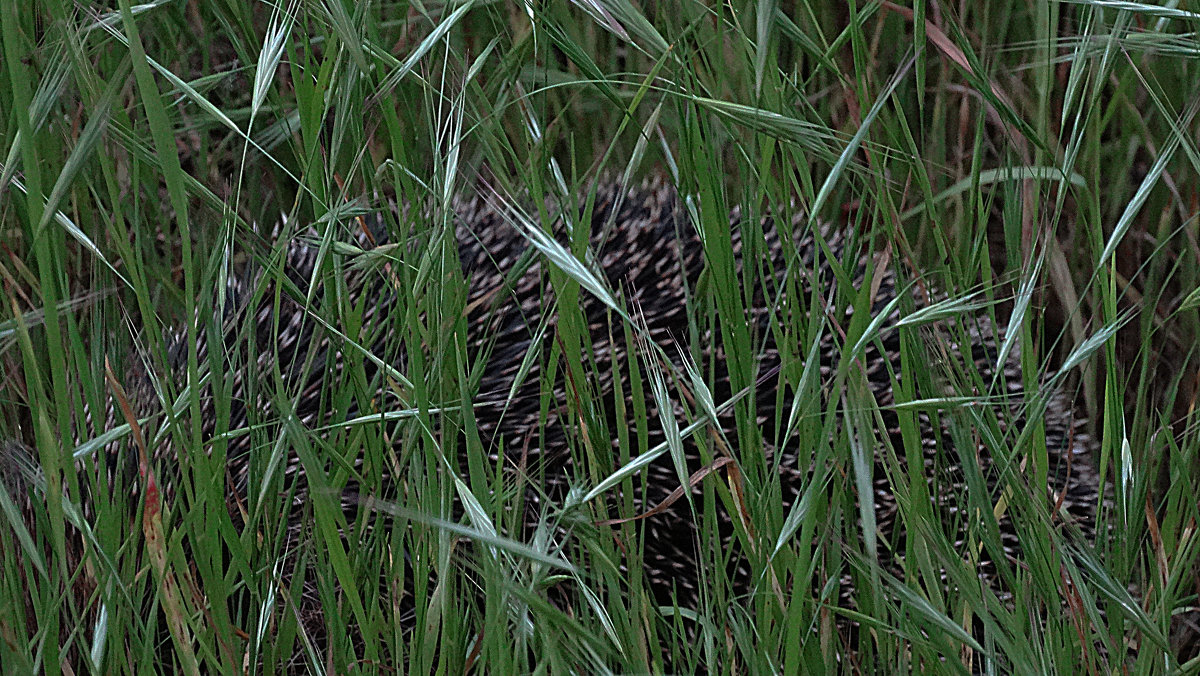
643,266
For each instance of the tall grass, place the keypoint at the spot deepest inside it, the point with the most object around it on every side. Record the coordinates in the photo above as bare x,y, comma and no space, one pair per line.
1036,163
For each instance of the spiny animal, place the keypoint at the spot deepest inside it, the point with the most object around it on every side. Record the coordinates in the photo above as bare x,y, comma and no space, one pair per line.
557,418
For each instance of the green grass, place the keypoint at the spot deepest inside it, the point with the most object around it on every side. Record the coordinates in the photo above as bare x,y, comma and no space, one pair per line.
1040,156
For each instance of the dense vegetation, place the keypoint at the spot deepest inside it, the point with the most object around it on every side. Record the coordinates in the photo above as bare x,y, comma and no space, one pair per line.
1036,161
